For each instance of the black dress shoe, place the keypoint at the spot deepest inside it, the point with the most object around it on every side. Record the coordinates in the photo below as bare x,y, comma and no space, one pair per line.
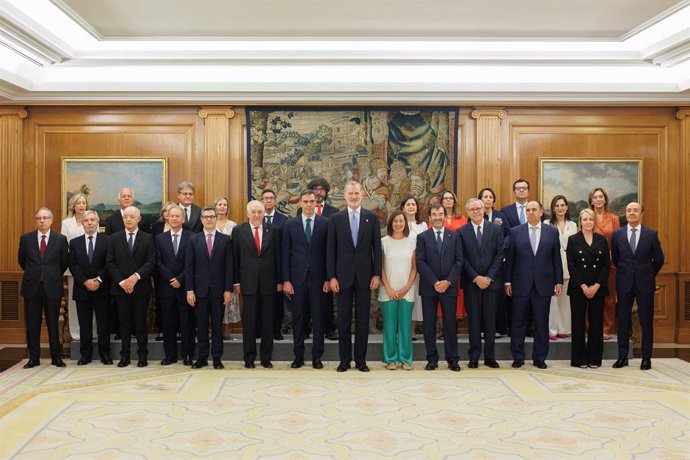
539,364
167,362
159,338
107,361
142,362
124,362
297,363
473,364
249,365
431,365
32,363
266,365
491,363
453,366
278,336
188,361
362,367
518,363
83,361
58,363
620,363
199,364
332,336
217,364
117,337
317,364
342,367
646,364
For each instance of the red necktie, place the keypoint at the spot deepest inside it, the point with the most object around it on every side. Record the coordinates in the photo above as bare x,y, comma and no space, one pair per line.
209,245
43,246
318,209
257,241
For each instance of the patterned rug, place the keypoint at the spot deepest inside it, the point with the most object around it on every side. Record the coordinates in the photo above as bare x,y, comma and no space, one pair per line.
101,412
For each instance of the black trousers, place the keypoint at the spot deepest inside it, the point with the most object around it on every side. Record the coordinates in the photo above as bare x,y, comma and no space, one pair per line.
587,311
523,307
131,310
361,298
34,306
481,305
450,332
329,320
645,313
213,308
308,298
85,311
254,303
177,315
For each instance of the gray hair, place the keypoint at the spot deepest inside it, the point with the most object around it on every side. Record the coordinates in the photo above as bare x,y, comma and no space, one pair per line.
472,200
255,203
185,184
44,209
352,183
91,211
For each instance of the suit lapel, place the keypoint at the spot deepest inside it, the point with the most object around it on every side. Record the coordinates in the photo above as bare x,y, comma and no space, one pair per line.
446,240
268,233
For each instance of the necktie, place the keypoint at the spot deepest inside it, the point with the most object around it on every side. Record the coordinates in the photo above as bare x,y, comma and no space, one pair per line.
319,209
307,230
186,214
479,235
633,240
533,239
89,251
175,242
269,220
354,227
130,242
43,246
522,215
486,217
439,241
209,244
257,240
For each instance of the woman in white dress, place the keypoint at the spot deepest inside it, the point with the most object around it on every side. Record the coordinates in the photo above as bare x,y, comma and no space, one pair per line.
395,294
72,228
225,225
410,208
559,314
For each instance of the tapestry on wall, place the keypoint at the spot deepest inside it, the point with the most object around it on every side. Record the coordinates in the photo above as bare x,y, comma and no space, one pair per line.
391,152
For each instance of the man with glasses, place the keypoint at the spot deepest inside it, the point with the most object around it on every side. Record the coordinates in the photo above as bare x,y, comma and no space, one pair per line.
277,220
208,277
192,212
43,255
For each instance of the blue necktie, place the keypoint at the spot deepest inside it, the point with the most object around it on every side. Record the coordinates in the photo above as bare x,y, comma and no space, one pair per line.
439,241
89,252
522,215
354,228
633,240
175,235
533,239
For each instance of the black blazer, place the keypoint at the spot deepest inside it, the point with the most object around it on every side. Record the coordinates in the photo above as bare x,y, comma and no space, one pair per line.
486,260
169,266
348,262
114,223
433,266
278,221
588,264
83,270
249,267
638,269
208,277
49,268
511,215
301,258
194,224
122,264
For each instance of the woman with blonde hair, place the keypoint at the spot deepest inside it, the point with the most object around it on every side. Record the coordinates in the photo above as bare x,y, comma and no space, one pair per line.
72,227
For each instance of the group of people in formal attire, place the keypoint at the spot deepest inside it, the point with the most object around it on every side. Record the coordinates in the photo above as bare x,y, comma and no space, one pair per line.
506,271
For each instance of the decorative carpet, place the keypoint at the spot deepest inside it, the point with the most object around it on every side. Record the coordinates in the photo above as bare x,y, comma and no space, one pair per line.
102,412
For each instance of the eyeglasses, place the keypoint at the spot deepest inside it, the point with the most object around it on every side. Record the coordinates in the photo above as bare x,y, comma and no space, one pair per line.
186,193
268,198
475,209
209,217
43,217
521,189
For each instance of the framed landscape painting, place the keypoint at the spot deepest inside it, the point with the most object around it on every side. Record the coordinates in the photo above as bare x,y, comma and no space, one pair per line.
575,178
101,178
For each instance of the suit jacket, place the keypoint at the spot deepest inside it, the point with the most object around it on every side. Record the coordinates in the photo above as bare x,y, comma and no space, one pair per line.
484,260
500,219
301,258
208,276
279,220
588,264
50,268
511,214
348,262
433,267
327,210
122,264
114,223
194,224
249,266
524,269
83,270
169,265
638,269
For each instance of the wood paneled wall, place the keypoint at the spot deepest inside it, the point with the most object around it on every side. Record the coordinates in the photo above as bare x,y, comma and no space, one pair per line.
496,145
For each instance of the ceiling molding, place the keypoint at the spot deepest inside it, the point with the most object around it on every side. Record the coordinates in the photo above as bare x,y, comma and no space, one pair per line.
74,16
655,20
27,46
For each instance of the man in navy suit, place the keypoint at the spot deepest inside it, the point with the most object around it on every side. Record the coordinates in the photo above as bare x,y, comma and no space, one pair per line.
439,262
516,213
304,275
87,263
171,248
636,252
192,212
534,273
354,268
482,249
208,276
277,221
43,257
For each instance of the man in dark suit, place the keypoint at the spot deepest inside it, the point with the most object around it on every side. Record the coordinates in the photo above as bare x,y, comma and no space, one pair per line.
114,222
439,262
171,248
516,212
534,273
637,254
43,257
131,262
208,281
87,263
482,280
354,269
192,212
277,220
256,252
304,275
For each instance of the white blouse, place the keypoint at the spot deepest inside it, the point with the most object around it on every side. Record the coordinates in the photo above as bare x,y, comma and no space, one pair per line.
397,265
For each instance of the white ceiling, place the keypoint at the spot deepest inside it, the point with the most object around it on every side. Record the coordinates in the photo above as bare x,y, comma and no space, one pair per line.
326,51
